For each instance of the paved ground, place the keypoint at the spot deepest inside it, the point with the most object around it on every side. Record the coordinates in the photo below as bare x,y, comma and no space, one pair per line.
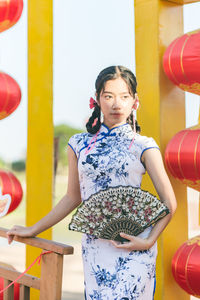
73,275
72,296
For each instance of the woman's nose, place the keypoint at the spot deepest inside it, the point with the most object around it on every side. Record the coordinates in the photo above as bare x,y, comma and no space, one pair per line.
116,103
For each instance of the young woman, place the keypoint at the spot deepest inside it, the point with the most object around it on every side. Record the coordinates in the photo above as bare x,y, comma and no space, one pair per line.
112,153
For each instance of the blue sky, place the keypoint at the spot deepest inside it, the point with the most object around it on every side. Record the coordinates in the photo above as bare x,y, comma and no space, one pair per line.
87,39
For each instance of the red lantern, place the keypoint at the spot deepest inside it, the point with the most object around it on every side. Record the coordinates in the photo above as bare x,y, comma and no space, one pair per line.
182,157
10,12
10,192
16,285
181,62
186,266
10,95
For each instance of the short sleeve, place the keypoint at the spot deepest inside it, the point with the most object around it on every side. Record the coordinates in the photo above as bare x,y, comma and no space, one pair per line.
148,143
73,144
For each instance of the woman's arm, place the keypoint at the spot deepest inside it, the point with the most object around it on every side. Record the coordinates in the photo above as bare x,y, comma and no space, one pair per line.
67,204
152,159
155,168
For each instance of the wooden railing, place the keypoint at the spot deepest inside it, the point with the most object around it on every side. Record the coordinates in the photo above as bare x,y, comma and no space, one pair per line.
50,283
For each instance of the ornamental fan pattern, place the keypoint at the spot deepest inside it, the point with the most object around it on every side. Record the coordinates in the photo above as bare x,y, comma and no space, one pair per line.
118,209
110,273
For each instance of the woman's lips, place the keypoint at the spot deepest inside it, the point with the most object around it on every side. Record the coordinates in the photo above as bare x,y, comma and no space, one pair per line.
116,114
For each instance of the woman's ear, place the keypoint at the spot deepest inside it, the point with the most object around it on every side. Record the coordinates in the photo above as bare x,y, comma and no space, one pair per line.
136,102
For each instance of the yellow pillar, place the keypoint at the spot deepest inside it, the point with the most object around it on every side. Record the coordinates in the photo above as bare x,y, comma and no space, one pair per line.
162,114
39,171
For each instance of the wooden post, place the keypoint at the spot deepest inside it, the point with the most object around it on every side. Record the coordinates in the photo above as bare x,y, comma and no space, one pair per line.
161,115
9,293
24,292
51,277
39,166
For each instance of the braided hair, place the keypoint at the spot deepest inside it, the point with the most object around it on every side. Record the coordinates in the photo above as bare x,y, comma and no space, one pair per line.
112,73
96,115
130,119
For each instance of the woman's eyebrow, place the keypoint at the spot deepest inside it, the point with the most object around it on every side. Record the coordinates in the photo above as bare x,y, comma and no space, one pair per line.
107,92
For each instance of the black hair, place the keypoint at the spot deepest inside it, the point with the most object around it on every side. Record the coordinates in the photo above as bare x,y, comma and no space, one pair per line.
111,73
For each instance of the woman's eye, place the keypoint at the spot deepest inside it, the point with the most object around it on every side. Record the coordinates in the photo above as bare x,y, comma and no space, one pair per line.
125,97
108,96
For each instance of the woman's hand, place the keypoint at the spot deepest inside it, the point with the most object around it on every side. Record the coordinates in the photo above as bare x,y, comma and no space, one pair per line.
19,231
135,243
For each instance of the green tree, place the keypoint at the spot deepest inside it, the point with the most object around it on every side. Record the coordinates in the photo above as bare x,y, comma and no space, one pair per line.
2,163
18,165
64,132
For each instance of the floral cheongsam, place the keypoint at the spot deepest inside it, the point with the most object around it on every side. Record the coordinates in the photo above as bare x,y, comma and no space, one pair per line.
109,161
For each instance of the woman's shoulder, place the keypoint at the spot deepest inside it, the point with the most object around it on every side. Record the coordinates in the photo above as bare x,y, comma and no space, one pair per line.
78,136
78,140
145,142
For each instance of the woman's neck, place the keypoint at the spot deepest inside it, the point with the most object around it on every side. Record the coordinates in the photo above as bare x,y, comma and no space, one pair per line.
110,126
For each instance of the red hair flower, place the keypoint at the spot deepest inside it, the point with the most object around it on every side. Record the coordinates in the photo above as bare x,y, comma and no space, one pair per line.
93,103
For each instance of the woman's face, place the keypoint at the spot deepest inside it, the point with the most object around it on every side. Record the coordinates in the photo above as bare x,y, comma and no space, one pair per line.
115,102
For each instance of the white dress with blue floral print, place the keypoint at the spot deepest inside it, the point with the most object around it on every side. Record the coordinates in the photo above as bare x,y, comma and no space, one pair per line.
111,273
